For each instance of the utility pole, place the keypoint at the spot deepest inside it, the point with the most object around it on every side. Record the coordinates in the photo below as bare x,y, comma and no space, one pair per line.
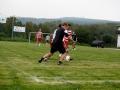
118,38
12,27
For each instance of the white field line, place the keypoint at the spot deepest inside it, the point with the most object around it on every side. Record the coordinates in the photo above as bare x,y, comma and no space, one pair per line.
81,82
34,78
59,80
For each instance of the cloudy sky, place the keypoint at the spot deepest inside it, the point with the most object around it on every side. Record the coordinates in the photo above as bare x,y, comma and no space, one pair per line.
96,9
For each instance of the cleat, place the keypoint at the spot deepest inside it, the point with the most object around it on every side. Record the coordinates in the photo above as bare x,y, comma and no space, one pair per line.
41,60
71,59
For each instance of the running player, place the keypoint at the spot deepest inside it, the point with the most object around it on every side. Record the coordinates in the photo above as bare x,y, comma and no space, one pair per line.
66,40
51,39
74,37
57,44
38,37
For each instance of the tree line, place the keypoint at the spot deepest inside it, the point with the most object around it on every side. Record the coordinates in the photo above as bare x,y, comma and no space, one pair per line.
85,33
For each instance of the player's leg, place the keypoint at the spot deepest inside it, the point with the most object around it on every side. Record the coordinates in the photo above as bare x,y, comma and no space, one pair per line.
48,55
36,41
62,50
65,44
73,45
39,41
67,50
62,58
45,57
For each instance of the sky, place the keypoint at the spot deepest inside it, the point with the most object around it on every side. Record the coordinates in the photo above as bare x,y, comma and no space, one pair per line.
93,9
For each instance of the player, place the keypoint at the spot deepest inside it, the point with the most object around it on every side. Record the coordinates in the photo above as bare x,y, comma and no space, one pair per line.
66,41
47,39
57,44
38,37
51,39
74,37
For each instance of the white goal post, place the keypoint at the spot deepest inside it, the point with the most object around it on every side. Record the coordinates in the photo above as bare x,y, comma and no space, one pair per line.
30,33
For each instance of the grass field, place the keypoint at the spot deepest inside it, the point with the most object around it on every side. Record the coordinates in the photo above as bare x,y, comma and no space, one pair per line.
91,69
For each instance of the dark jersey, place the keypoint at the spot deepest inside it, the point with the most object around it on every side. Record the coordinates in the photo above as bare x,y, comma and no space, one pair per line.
59,36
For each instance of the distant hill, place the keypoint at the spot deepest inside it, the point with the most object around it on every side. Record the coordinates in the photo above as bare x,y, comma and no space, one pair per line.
74,20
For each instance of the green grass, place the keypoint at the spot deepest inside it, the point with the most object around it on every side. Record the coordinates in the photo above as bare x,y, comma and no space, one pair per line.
91,69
